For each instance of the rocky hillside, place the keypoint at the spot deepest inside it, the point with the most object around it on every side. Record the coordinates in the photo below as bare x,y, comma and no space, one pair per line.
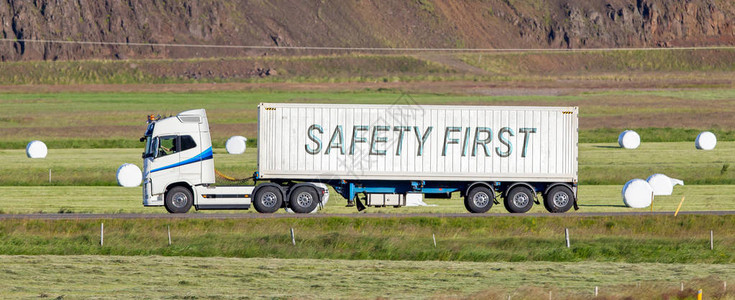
352,23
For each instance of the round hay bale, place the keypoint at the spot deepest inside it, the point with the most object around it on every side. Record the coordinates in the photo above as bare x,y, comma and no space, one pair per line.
236,145
629,139
662,184
129,175
637,193
36,149
705,141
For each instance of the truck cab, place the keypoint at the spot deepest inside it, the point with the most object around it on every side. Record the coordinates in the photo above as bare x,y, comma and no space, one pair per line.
178,170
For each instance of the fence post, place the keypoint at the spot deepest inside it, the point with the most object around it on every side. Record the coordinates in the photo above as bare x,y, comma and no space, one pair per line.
434,237
102,234
712,240
596,291
293,238
566,236
168,227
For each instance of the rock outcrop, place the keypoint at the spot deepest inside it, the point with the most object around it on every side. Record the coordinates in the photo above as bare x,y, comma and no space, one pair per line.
349,23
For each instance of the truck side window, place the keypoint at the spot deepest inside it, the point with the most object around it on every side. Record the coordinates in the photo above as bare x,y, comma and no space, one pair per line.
187,142
167,145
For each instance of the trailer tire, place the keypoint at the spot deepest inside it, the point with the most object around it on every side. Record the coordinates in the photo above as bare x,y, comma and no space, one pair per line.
268,200
519,200
178,200
303,200
559,199
479,200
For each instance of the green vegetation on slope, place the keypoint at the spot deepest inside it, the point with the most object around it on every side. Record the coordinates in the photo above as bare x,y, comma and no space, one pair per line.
337,68
664,65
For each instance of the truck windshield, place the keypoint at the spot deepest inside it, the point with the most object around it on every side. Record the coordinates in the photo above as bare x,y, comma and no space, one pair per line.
150,142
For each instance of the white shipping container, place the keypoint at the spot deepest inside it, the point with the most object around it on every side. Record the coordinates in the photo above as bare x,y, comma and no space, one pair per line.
417,142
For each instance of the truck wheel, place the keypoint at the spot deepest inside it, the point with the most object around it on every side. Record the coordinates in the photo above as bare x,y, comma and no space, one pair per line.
519,200
303,200
267,200
479,200
178,200
559,199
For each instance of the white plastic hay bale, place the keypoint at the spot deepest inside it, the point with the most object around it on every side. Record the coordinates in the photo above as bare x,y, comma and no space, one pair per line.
706,141
629,139
637,193
129,175
324,200
36,149
236,145
663,185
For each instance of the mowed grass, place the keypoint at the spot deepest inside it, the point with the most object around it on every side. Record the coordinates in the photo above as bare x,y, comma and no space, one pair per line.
599,164
117,119
186,277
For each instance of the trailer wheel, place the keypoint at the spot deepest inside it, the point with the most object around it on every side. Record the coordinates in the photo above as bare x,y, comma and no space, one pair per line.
267,200
479,200
303,200
559,199
519,200
178,200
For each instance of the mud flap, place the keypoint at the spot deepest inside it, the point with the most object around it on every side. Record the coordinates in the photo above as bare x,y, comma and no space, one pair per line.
360,206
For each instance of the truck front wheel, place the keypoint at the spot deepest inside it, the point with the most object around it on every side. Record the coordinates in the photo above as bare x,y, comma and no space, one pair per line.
559,199
519,200
178,200
303,200
479,200
267,200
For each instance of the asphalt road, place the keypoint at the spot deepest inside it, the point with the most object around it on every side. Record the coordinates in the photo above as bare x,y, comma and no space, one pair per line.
355,215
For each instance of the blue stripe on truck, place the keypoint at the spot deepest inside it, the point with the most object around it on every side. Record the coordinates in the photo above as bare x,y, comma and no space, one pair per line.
207,154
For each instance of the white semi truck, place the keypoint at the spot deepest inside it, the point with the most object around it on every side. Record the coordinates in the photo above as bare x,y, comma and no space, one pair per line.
382,155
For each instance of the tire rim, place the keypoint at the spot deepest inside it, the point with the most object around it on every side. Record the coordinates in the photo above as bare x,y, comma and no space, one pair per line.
179,200
561,199
520,199
304,199
269,199
481,199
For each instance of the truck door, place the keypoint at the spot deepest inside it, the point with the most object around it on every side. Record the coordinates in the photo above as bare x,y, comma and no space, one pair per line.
191,157
166,159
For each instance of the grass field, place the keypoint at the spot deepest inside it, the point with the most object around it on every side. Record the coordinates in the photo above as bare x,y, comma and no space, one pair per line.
91,129
186,277
117,119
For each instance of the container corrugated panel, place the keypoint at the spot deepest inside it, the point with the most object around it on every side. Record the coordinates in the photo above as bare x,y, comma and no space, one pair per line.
417,142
